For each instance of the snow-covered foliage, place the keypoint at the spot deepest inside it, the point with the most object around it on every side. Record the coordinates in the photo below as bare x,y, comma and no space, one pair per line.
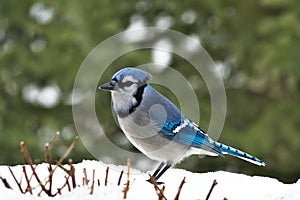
96,180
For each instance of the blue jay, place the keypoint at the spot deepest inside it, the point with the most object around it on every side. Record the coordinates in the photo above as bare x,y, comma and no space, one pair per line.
154,125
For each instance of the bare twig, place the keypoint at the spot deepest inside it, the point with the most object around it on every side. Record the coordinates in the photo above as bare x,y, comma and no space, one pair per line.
48,160
68,151
93,183
120,177
17,182
72,173
58,163
106,176
47,155
211,189
53,138
159,191
68,184
25,153
85,178
128,181
179,189
29,161
63,186
27,180
6,184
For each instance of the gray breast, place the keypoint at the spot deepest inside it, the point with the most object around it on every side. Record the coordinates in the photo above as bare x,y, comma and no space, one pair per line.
143,125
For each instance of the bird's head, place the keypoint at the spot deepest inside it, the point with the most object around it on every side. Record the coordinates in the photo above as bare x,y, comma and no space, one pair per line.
127,81
127,88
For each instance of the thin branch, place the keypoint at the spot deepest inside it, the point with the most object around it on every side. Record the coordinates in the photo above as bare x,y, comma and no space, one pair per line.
67,152
6,184
63,186
72,173
53,138
93,183
29,161
128,181
29,188
159,191
68,184
106,176
17,182
48,160
120,177
179,189
85,178
47,155
211,189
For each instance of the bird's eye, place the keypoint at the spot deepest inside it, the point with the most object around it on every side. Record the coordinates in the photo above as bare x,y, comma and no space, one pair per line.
113,82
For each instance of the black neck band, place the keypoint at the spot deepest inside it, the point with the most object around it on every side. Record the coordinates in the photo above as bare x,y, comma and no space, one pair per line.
138,96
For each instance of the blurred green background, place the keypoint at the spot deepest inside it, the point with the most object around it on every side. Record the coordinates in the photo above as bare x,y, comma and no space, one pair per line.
255,44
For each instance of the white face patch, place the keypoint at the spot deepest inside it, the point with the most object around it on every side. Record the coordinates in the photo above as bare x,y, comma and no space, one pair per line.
181,126
128,84
128,78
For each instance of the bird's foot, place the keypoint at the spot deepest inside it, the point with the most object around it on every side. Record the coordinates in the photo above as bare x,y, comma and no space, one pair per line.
153,181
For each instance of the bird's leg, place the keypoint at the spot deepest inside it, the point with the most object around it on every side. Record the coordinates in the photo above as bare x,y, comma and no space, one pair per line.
166,167
158,169
156,172
162,168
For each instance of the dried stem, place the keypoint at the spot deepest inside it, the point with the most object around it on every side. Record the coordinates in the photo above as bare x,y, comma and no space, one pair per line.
6,184
86,180
25,153
68,184
58,163
159,191
211,189
93,183
47,155
120,177
179,189
128,181
53,138
63,186
29,188
68,151
106,176
72,173
47,158
29,161
17,182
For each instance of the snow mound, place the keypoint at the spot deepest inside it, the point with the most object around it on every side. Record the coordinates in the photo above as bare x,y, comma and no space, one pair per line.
106,184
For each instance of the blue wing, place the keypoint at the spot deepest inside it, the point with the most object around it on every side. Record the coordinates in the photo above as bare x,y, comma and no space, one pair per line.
186,132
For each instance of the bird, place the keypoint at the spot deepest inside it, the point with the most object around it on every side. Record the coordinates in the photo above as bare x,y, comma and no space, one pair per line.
156,127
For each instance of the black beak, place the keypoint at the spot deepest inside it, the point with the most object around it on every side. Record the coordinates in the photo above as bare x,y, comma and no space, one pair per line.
107,86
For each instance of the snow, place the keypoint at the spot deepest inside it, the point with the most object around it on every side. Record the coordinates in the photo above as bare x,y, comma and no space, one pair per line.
230,185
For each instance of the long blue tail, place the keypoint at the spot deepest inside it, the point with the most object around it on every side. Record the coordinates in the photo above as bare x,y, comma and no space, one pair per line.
240,154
